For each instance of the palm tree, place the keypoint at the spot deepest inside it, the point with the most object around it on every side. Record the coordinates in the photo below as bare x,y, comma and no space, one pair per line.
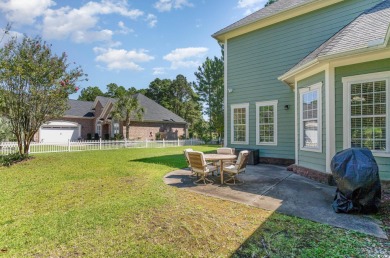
126,107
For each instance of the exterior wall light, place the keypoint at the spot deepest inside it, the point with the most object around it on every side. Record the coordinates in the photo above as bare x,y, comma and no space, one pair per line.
286,107
230,90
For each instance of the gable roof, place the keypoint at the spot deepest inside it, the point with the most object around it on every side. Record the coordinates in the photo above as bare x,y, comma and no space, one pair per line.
103,100
370,30
276,12
79,108
154,112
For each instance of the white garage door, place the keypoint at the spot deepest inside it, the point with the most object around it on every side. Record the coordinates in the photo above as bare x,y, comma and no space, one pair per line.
59,132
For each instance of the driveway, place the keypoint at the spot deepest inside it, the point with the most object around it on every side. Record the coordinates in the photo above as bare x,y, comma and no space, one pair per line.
274,188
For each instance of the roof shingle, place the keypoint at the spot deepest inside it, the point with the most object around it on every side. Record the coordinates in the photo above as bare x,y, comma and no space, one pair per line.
370,29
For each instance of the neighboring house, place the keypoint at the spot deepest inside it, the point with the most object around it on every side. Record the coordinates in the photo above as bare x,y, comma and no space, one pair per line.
305,79
92,120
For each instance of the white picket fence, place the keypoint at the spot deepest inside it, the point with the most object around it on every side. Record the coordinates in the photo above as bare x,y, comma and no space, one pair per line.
35,147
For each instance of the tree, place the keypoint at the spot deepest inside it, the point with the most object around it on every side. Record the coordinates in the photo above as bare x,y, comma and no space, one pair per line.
90,93
34,85
126,107
5,130
209,87
159,91
179,97
115,91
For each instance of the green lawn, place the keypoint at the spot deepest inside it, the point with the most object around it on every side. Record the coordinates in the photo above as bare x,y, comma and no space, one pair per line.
115,204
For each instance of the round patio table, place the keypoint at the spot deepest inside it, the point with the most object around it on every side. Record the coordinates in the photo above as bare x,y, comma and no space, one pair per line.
221,158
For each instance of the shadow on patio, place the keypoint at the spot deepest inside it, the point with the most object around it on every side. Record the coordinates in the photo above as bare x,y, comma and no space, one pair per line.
274,188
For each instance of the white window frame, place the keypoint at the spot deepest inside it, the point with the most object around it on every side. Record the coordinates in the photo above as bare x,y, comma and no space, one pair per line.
315,87
235,106
347,82
273,103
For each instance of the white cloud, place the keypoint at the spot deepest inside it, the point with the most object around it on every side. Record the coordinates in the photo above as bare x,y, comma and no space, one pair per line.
158,70
123,29
186,57
151,19
24,12
168,5
66,22
121,59
251,6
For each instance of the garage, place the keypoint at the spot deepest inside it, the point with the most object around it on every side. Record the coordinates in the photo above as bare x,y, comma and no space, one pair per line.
59,131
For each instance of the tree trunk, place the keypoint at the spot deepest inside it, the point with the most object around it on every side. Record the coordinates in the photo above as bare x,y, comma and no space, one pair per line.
127,131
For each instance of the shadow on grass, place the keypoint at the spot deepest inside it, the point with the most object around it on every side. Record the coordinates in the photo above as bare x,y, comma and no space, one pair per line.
173,161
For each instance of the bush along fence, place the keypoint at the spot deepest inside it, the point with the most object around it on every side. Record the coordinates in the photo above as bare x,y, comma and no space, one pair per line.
36,147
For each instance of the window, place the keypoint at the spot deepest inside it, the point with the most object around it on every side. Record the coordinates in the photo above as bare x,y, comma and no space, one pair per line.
116,128
310,116
366,115
240,123
98,128
266,122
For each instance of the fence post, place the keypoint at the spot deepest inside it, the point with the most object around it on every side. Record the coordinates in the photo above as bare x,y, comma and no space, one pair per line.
100,143
178,142
125,142
68,145
163,143
146,143
192,142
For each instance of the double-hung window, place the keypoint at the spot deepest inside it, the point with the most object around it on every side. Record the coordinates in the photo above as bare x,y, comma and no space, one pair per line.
310,118
240,123
366,116
266,122
116,128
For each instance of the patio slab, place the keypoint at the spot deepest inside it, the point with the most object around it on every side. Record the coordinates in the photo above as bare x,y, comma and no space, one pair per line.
274,188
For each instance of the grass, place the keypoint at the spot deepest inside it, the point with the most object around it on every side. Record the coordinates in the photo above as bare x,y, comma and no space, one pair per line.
115,204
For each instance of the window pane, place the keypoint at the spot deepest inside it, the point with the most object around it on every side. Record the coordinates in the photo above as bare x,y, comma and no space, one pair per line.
266,124
239,124
368,115
310,129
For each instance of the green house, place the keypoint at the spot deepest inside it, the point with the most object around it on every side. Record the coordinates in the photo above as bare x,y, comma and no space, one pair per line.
305,79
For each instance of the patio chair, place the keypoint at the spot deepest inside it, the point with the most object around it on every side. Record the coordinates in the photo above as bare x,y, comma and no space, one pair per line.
188,161
234,169
227,151
199,166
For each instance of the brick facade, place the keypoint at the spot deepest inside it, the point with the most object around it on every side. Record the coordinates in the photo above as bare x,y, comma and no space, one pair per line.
148,130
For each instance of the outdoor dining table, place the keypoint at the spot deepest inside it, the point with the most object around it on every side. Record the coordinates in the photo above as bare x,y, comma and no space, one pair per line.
221,158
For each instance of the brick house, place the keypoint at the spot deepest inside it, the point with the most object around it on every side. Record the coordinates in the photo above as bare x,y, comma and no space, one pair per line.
92,120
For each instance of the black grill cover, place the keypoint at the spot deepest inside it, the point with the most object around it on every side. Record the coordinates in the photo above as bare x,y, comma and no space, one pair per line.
355,172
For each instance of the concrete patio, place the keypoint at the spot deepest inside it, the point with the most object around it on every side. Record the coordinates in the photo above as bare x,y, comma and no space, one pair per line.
274,188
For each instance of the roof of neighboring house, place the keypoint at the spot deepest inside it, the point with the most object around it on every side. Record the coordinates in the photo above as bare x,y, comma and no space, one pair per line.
369,30
153,110
156,112
103,100
79,108
266,12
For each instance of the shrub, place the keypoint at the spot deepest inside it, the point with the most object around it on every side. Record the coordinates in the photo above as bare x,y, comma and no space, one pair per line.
8,160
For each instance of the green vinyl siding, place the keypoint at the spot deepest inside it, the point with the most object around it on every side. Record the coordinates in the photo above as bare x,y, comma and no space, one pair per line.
255,60
351,70
310,159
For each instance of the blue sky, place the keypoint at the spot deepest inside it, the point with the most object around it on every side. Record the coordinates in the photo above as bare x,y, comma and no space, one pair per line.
128,42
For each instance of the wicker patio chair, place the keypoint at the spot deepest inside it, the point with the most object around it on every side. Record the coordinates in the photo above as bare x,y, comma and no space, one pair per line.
193,174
